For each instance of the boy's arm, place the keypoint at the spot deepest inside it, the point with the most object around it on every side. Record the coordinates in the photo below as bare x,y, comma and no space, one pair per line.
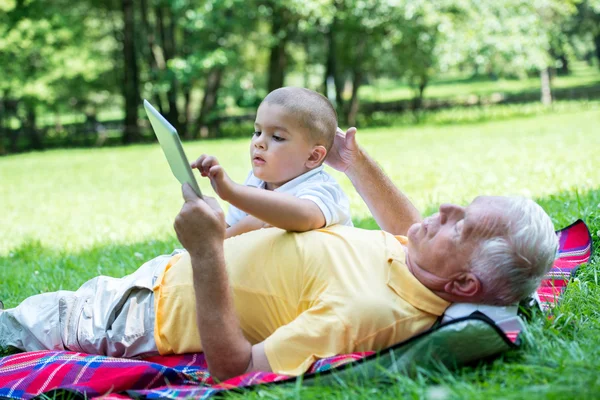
246,224
277,209
392,209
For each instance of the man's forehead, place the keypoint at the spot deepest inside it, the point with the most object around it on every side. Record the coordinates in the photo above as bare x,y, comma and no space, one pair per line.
488,212
490,201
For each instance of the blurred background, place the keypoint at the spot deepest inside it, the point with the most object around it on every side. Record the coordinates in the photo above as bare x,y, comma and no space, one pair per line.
73,74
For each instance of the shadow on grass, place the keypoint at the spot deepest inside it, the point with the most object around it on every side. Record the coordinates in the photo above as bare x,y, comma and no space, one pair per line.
33,268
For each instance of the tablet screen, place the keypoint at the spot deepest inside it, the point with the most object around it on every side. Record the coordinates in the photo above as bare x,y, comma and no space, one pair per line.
171,145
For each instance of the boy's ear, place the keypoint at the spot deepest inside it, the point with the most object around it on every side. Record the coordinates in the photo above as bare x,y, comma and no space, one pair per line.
316,157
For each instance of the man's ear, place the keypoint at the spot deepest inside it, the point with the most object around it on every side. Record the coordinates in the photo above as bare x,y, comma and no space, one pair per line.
467,285
316,157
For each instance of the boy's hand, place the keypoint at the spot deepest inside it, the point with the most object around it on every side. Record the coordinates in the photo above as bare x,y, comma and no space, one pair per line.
344,151
209,167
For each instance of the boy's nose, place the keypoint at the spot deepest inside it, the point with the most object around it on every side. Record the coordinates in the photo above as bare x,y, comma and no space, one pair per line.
259,144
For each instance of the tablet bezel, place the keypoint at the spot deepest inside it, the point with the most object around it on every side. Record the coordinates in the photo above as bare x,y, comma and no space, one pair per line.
171,145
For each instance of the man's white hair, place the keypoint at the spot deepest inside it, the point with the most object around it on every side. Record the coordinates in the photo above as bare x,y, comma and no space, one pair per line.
511,267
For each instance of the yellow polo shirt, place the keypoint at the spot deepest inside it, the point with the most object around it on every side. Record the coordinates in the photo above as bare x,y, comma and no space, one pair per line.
307,295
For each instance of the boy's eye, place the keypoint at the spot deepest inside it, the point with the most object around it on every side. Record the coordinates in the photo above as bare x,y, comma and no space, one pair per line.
257,133
278,138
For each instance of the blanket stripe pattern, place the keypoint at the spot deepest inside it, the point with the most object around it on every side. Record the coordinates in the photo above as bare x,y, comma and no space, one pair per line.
574,249
26,375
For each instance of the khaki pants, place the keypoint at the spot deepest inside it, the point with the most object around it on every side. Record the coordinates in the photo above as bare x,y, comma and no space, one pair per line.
106,316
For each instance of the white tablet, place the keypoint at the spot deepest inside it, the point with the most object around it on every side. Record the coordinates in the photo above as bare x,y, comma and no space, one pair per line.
171,145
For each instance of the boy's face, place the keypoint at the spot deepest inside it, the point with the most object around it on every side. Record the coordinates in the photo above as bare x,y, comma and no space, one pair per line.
280,148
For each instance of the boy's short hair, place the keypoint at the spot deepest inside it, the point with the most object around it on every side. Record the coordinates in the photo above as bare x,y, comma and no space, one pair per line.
313,110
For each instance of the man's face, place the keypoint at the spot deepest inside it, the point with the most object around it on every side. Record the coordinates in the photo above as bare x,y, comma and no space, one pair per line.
442,245
279,148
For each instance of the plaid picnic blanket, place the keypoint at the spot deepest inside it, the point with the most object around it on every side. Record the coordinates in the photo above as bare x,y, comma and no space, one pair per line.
26,375
574,249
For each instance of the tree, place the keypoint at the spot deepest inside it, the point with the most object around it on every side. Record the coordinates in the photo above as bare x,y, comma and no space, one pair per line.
131,81
585,24
50,61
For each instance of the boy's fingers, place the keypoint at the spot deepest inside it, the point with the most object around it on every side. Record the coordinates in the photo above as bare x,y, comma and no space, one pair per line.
198,161
209,162
216,171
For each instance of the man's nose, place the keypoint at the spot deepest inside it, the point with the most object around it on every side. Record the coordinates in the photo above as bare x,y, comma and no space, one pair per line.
450,211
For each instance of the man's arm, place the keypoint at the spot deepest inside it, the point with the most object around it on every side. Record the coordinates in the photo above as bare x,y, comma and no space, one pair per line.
200,227
392,210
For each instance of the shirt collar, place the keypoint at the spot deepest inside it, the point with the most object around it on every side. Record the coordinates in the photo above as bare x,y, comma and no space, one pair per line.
405,285
289,184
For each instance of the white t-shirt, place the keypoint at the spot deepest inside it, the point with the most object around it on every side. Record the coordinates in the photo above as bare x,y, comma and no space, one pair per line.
316,185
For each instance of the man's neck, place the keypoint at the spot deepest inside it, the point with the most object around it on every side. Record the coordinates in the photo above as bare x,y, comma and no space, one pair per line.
434,284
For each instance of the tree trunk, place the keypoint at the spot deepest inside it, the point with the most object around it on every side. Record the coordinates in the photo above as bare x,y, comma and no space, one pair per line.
332,75
166,28
131,84
148,52
213,82
3,129
305,70
186,131
564,67
29,125
278,56
417,102
597,44
357,77
545,83
353,109
170,49
10,108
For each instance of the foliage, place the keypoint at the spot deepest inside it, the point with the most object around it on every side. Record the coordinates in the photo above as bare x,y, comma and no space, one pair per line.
54,57
199,61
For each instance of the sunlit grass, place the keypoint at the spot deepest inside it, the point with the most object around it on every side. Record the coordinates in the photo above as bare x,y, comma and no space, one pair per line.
73,199
383,90
70,215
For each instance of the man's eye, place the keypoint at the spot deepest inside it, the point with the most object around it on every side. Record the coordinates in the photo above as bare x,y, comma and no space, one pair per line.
458,227
257,133
278,138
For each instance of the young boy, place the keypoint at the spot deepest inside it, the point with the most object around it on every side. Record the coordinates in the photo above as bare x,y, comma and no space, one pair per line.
287,187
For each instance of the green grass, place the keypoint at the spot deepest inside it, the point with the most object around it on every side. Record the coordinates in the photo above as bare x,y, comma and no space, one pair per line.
383,90
477,114
71,215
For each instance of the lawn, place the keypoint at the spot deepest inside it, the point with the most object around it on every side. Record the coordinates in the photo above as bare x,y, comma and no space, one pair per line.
461,87
70,215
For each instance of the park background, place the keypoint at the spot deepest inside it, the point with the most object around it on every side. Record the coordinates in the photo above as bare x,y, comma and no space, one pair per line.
454,98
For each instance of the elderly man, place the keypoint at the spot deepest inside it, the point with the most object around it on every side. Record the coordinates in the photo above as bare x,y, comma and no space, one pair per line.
273,300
